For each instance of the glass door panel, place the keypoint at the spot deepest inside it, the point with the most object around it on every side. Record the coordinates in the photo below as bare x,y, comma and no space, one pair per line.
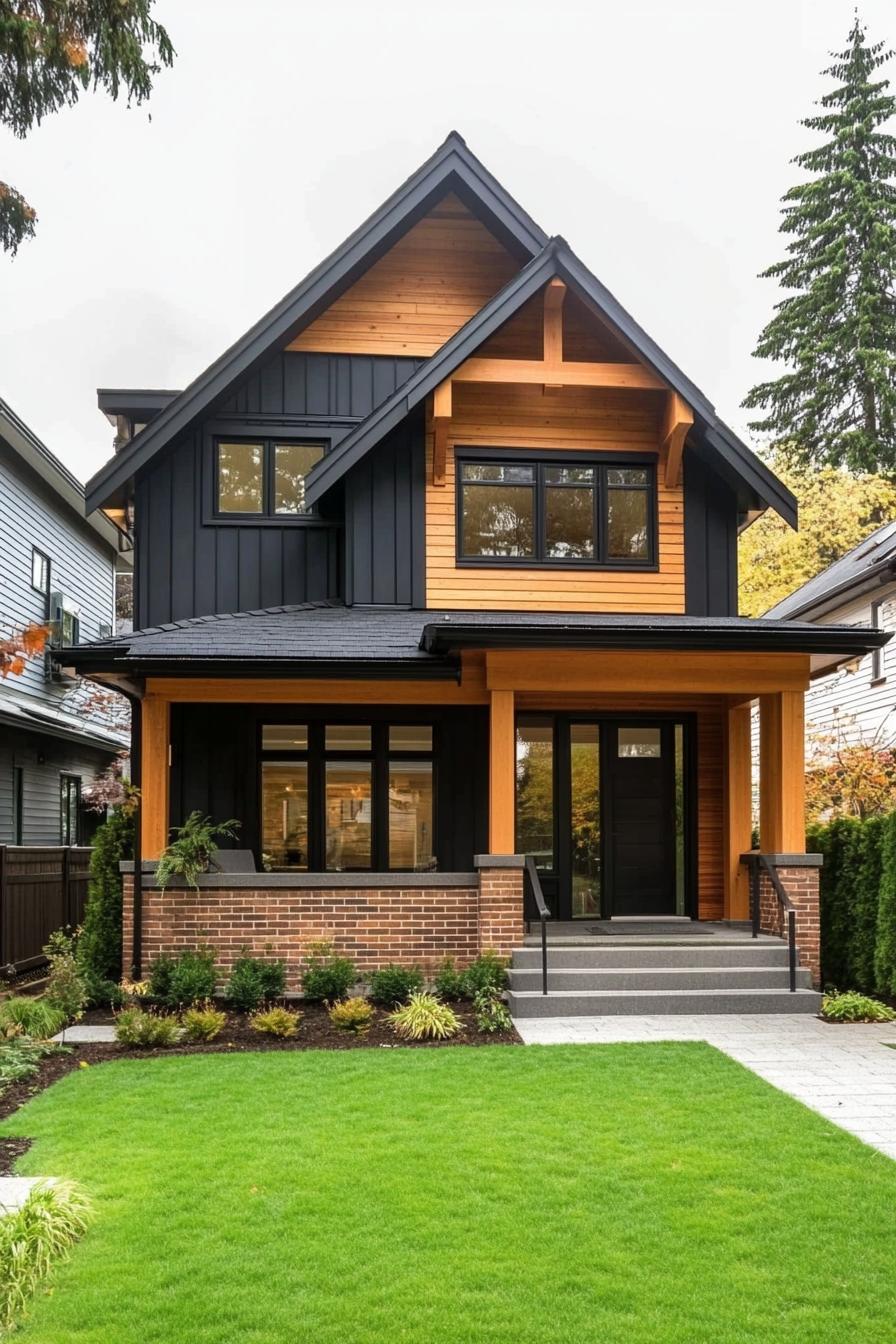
585,848
535,792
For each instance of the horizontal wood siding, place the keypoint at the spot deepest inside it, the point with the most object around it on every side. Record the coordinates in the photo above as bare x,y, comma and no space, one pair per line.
385,520
502,415
420,293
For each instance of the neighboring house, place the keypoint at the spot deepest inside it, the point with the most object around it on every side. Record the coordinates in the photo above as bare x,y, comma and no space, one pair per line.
436,568
56,566
857,703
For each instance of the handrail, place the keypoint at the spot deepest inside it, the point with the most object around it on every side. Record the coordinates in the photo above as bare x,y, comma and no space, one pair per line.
544,915
759,861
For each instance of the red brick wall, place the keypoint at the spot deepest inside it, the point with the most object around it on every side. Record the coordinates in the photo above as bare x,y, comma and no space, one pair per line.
500,909
801,885
373,926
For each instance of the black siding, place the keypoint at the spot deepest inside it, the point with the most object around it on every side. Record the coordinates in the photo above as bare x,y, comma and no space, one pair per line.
214,769
385,522
710,542
189,566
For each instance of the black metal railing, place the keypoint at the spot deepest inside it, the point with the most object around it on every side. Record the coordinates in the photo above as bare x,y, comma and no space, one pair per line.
544,915
759,864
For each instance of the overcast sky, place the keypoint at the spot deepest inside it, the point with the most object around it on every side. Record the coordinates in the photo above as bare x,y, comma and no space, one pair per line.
654,135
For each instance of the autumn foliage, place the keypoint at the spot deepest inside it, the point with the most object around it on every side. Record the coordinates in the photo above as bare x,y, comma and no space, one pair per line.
16,649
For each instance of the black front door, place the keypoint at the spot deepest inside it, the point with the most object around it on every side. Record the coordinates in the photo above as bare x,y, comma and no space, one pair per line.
639,819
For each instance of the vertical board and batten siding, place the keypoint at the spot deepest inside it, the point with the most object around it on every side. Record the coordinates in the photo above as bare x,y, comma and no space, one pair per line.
385,522
190,567
81,565
579,418
411,301
710,551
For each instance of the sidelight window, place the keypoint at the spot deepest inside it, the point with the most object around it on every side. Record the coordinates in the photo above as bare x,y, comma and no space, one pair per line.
580,512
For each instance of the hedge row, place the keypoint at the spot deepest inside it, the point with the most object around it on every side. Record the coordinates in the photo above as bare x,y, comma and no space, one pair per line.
858,903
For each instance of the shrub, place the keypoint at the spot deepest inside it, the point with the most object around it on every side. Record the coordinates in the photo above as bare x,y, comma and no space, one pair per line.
425,1017
393,985
185,979
326,977
487,972
355,1015
853,1007
145,1031
23,1016
449,982
99,947
20,1057
276,1022
885,947
190,852
34,1237
66,988
253,981
865,853
203,1022
491,1012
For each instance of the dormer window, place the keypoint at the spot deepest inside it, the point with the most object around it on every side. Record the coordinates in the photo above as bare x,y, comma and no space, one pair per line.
263,477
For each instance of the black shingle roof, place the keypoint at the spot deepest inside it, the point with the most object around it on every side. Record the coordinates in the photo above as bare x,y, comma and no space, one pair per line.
873,557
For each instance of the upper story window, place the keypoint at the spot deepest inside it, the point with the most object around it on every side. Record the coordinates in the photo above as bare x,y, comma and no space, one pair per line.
569,512
263,477
40,572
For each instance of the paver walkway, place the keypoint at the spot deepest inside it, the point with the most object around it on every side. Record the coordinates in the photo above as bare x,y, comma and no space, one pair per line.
86,1035
846,1073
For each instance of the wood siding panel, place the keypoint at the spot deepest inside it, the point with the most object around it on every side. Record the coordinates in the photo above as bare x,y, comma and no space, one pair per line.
579,418
420,293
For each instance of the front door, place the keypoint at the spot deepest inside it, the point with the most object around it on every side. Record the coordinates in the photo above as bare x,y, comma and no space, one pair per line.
640,819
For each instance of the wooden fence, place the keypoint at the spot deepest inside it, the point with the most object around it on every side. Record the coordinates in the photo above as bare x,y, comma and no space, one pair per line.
42,888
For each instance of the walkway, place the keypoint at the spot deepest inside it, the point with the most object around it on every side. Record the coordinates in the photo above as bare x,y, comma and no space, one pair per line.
846,1073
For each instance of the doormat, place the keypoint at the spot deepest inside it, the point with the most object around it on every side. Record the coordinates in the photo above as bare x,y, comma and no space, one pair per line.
644,929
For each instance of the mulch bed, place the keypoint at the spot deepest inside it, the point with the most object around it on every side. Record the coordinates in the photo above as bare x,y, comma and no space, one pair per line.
316,1032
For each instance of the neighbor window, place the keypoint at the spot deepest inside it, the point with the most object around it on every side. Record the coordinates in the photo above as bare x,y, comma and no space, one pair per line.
69,808
343,797
878,666
555,512
263,477
40,572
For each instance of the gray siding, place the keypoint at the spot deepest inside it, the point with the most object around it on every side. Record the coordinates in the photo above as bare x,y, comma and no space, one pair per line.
385,522
191,565
43,759
710,541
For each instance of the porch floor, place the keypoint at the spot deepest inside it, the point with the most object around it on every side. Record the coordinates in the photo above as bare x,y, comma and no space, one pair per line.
675,932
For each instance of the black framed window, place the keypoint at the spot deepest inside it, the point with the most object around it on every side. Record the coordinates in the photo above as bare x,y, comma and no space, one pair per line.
263,477
347,796
40,572
569,511
69,809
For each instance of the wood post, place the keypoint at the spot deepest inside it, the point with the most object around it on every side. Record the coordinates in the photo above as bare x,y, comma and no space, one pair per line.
502,774
154,769
738,810
782,763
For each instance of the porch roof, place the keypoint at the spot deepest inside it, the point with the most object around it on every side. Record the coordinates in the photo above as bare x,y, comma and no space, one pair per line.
328,639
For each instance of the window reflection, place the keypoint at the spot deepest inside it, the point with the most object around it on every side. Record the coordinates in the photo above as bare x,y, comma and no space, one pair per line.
410,815
284,815
535,792
349,815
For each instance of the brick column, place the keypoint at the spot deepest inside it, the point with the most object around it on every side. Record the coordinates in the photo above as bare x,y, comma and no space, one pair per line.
127,924
501,925
799,874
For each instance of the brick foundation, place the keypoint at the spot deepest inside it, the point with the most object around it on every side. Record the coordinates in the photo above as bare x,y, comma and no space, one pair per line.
801,884
371,925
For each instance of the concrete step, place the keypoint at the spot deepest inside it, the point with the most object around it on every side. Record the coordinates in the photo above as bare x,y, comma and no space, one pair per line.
606,955
662,978
644,1002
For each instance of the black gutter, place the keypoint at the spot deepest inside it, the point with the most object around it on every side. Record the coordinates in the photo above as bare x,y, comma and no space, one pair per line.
412,668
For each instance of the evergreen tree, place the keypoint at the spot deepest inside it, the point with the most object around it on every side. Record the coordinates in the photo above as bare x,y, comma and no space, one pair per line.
99,947
836,329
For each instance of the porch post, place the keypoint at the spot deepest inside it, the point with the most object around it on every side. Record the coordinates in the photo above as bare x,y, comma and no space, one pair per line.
782,763
154,770
501,774
738,809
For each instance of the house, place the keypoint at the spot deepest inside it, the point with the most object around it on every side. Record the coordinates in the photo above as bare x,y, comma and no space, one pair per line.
436,569
56,567
856,702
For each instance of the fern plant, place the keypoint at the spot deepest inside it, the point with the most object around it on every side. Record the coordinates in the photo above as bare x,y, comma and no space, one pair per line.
189,853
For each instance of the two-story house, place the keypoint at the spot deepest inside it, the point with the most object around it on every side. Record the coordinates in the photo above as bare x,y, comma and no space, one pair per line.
436,569
57,567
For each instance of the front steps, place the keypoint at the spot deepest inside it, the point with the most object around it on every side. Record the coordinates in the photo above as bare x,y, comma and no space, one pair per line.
701,976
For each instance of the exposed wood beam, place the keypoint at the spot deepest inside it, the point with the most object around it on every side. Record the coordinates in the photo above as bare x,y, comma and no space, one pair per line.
154,770
677,420
567,374
616,670
441,419
301,691
501,774
554,294
782,766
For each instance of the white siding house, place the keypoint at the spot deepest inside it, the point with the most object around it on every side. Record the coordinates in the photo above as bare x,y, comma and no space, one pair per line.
54,737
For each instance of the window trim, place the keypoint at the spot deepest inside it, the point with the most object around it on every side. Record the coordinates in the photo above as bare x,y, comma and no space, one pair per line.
540,459
878,656
380,757
45,592
304,431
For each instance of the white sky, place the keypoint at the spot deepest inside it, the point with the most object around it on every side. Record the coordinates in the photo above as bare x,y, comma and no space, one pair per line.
654,135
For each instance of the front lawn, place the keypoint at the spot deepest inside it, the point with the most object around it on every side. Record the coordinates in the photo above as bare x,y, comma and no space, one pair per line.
560,1195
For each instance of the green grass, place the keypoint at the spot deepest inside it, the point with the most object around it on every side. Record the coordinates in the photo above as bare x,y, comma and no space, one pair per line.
639,1194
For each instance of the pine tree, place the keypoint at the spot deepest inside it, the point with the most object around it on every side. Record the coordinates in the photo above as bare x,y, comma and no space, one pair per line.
836,330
